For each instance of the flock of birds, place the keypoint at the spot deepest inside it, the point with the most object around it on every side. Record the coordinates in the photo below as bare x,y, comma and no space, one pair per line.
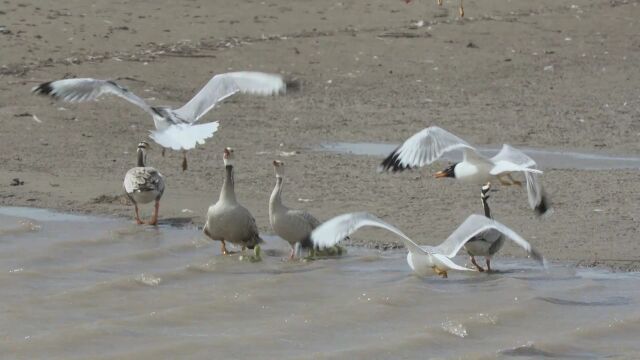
230,222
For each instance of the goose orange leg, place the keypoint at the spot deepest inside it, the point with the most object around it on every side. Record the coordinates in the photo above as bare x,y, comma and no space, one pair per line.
154,217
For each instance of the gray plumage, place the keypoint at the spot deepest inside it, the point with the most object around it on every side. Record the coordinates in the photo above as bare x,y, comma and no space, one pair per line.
227,220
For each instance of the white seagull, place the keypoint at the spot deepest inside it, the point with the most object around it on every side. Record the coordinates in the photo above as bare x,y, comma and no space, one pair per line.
430,144
423,260
175,128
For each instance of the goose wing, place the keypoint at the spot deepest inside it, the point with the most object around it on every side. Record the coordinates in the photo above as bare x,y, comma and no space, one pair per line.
304,218
142,179
222,86
335,230
423,148
85,89
476,224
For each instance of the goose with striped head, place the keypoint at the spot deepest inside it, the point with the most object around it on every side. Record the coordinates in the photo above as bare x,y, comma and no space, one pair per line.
422,259
430,144
144,184
174,128
227,220
294,226
487,243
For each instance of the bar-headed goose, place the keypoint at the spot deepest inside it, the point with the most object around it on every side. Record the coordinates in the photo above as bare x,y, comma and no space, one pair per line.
175,128
144,184
294,226
430,144
227,220
423,260
488,242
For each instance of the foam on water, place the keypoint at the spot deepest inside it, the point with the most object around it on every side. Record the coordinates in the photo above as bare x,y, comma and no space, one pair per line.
81,286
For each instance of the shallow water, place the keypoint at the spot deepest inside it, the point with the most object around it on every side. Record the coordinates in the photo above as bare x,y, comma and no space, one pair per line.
77,287
546,159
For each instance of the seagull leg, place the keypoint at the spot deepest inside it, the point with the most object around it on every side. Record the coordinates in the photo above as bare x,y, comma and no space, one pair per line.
438,271
293,252
473,261
439,2
154,218
503,181
514,181
461,9
184,160
488,259
140,222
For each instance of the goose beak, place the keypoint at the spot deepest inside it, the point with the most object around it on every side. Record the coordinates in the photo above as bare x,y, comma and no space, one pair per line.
441,174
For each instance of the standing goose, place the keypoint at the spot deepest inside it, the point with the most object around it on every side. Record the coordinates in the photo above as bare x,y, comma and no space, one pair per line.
143,184
486,243
227,220
294,226
423,260
430,144
175,128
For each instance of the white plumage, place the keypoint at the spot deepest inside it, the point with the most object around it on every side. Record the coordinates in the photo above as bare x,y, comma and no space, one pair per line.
423,260
430,144
174,127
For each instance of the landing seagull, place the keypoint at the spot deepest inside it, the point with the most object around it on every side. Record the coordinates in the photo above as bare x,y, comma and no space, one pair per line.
175,128
423,260
432,143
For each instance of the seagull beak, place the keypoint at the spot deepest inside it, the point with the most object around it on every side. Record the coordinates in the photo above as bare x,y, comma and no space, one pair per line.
441,174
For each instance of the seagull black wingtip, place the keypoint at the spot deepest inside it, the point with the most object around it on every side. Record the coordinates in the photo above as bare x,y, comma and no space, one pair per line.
392,162
43,89
544,207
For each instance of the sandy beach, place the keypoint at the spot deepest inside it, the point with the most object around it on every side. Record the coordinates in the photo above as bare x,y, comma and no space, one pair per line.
545,74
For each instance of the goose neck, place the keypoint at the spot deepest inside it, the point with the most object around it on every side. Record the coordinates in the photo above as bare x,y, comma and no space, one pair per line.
275,202
141,157
228,193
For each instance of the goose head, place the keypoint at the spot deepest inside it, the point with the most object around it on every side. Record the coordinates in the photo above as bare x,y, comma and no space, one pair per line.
278,166
448,172
484,193
228,157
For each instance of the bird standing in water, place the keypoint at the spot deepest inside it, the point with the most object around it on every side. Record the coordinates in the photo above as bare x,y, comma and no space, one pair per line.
143,184
227,220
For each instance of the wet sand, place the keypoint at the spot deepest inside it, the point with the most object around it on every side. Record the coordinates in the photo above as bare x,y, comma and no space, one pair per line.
114,290
544,74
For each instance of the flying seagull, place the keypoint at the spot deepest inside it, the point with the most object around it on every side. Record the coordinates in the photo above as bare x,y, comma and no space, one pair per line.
430,144
423,260
175,128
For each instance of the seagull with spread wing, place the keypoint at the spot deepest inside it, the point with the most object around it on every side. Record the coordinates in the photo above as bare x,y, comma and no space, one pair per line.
430,144
423,260
175,128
